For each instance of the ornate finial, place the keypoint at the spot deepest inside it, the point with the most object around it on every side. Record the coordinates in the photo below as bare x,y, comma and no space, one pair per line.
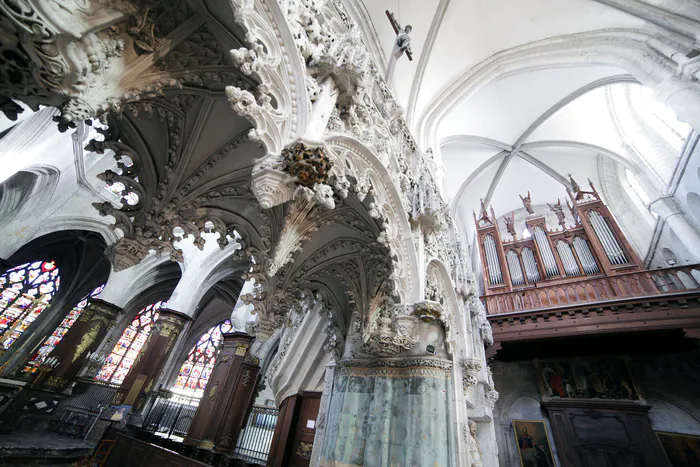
527,202
572,210
574,185
484,219
558,210
510,224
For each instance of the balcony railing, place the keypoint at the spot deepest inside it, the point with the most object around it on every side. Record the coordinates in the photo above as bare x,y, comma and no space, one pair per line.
596,290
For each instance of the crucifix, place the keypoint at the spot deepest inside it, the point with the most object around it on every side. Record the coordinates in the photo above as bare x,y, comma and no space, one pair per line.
402,45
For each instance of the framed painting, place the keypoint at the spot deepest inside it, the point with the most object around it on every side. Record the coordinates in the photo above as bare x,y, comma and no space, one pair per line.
601,378
534,448
682,450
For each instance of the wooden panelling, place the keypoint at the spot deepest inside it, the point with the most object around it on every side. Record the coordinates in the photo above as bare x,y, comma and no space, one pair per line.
599,434
132,452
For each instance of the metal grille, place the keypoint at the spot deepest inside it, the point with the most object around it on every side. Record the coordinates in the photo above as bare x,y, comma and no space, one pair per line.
170,416
253,444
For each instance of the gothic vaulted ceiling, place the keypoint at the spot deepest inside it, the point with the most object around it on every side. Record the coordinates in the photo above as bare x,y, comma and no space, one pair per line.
489,91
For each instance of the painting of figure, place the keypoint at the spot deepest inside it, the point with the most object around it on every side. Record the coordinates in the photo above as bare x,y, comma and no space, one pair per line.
586,379
681,450
534,449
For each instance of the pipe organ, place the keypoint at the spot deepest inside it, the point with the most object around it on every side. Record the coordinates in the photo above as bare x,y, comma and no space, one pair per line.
593,246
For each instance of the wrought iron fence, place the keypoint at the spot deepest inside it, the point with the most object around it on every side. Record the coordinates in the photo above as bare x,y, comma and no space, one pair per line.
78,413
170,416
253,444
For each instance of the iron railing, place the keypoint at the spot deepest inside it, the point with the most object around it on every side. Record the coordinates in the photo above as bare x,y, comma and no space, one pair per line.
78,413
170,415
254,441
631,285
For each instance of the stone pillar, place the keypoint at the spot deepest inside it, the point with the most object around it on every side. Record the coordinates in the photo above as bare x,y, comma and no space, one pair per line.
670,212
398,409
152,358
229,394
83,337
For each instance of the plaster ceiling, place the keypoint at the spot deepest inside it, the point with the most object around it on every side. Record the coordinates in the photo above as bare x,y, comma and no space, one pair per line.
520,131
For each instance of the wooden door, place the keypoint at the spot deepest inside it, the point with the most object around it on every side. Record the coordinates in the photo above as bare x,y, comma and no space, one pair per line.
593,434
305,429
294,435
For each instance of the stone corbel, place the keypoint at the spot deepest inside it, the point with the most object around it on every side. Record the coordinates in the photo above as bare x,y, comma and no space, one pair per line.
471,370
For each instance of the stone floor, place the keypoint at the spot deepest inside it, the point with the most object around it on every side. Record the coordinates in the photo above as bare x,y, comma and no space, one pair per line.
41,449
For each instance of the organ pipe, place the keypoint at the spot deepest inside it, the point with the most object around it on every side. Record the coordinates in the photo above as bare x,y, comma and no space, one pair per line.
495,275
533,274
516,271
585,256
550,264
602,229
568,260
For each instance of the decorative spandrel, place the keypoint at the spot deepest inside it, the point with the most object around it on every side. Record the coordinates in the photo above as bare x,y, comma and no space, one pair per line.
52,341
132,340
196,370
25,292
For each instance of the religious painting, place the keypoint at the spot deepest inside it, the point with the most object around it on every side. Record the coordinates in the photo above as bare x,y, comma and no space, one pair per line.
534,449
682,450
608,378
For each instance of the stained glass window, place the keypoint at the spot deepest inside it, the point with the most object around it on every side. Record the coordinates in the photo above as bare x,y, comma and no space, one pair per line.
47,347
124,354
196,370
25,291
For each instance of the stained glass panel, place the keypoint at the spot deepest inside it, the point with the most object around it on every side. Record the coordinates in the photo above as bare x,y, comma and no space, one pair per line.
198,365
124,354
25,291
47,347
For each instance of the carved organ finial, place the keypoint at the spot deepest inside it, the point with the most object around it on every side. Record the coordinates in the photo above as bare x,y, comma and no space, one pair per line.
484,218
527,202
510,224
558,211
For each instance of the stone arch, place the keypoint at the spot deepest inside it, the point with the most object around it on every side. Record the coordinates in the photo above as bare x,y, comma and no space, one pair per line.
266,24
667,415
669,257
357,160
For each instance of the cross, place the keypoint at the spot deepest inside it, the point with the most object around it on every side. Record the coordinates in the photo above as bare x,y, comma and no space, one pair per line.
399,31
402,44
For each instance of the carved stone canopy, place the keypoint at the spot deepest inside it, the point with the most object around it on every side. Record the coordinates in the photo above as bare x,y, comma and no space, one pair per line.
428,311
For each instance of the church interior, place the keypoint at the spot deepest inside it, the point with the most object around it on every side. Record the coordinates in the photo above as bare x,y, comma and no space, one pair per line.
344,233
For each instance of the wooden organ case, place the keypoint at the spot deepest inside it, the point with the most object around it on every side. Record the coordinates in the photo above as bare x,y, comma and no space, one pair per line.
593,247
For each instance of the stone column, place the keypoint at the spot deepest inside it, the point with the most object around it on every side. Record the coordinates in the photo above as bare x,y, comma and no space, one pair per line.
83,337
669,211
398,409
152,358
229,394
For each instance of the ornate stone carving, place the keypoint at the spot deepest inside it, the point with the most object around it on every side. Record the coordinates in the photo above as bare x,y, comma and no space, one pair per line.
310,166
474,449
472,367
388,336
428,311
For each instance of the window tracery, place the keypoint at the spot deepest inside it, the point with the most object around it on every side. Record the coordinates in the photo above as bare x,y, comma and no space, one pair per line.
197,368
127,350
49,344
25,292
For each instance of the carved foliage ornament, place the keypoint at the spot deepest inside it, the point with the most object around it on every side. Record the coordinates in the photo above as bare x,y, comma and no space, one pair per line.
310,166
